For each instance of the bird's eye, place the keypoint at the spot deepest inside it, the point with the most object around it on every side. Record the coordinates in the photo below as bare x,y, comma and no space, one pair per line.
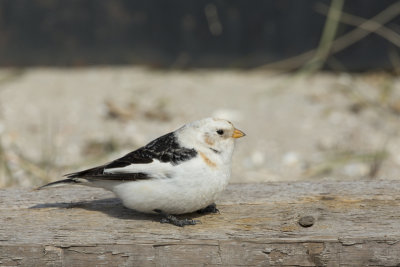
220,132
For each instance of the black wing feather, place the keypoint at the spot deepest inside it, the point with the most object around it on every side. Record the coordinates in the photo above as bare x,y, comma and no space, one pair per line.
165,149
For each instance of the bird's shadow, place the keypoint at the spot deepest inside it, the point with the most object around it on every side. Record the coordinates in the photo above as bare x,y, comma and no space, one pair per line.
110,206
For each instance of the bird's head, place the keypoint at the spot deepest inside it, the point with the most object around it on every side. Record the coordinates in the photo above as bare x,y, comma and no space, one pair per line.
211,135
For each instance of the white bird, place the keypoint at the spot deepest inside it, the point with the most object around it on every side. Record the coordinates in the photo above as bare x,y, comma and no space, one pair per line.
180,172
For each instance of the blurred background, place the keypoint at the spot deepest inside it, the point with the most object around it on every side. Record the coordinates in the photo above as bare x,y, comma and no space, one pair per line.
314,84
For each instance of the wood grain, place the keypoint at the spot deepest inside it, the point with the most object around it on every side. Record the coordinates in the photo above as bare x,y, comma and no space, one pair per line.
356,224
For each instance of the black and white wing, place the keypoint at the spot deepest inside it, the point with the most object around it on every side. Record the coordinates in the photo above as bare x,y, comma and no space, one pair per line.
154,160
138,164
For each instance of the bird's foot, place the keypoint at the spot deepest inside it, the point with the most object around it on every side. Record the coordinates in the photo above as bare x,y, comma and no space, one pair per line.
209,209
175,221
168,218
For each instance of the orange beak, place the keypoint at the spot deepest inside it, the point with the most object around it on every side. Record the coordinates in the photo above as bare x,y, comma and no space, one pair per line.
238,133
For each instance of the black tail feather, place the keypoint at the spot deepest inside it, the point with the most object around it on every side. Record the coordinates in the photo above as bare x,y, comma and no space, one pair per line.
88,173
65,181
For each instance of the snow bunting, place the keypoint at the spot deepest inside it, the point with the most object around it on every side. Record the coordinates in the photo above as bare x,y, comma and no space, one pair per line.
180,172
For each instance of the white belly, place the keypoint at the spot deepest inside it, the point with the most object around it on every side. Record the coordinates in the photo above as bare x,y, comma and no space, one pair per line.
190,188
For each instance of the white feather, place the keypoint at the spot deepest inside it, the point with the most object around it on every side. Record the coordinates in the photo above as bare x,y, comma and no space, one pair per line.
155,169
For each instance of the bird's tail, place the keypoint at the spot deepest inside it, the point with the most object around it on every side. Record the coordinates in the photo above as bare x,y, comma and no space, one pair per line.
63,182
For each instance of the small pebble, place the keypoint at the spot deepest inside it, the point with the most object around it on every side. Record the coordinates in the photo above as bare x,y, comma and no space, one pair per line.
291,159
307,221
356,169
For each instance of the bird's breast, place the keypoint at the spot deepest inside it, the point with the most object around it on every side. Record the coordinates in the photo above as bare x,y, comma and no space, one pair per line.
191,185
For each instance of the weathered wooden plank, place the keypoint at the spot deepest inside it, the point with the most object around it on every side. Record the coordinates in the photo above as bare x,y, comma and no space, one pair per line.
356,224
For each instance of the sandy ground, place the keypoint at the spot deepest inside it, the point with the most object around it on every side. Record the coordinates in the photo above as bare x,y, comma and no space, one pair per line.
323,126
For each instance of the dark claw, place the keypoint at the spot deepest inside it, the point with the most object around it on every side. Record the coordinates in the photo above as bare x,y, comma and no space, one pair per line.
175,221
209,209
164,220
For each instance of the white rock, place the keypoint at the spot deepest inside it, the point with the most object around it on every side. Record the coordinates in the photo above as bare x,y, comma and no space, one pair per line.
291,159
356,169
257,158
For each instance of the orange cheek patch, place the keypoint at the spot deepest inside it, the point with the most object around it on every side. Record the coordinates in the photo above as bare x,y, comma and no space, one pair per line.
208,141
207,160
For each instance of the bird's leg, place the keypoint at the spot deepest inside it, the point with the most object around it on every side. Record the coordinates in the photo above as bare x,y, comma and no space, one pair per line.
209,209
168,218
